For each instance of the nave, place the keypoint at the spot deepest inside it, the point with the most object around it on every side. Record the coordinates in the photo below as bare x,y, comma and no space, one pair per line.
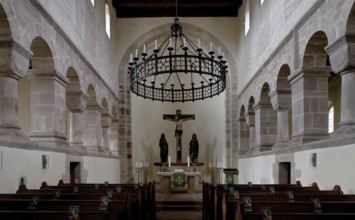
104,201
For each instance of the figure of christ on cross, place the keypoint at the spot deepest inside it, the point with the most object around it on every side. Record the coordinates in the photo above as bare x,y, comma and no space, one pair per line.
178,118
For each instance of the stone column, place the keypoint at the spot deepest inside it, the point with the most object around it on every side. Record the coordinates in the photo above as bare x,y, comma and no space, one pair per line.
250,121
106,123
342,59
265,125
76,102
281,101
243,140
48,110
93,131
14,63
114,137
309,104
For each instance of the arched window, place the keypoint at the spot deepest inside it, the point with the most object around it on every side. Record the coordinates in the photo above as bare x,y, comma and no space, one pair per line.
247,17
107,20
93,2
331,119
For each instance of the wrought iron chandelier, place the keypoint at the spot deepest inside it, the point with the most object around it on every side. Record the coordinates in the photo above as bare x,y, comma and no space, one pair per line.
179,70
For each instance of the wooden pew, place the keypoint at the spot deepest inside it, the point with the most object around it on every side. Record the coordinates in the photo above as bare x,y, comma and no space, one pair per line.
215,208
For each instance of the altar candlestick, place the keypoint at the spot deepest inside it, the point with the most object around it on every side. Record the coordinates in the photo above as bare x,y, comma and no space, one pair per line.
188,161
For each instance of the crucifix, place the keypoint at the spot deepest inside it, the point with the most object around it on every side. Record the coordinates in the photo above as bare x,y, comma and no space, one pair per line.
178,118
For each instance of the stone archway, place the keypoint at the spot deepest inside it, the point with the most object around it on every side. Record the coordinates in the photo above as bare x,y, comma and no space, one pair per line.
310,93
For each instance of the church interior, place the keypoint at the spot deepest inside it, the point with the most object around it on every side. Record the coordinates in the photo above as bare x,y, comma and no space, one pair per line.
74,108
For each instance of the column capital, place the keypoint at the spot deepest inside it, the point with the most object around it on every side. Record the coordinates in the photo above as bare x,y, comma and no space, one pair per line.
14,58
250,118
261,104
45,75
280,99
106,120
342,53
76,101
309,71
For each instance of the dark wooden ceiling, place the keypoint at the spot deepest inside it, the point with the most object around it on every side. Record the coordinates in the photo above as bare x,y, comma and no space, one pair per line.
185,8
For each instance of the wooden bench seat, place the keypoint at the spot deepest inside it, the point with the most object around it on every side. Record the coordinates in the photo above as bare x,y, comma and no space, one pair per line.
52,215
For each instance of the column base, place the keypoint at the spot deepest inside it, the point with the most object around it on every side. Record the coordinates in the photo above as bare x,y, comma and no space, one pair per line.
344,129
47,139
305,138
77,148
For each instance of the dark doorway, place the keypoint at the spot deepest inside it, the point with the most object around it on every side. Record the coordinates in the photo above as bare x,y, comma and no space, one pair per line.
285,173
75,175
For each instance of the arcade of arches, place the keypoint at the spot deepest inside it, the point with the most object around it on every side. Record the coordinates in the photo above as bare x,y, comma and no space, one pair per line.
64,94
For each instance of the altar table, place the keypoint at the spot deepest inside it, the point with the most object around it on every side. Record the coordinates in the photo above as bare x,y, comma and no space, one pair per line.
165,180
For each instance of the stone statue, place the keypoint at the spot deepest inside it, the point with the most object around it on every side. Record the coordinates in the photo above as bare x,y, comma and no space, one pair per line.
164,149
194,147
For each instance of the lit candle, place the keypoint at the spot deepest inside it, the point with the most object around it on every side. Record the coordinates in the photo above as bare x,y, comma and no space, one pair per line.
188,161
131,58
136,52
184,41
198,43
143,48
155,44
169,42
169,161
211,46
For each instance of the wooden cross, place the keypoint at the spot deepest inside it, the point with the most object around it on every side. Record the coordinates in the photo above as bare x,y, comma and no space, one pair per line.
178,118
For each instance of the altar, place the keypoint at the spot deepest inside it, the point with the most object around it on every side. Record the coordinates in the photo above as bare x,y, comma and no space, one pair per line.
166,180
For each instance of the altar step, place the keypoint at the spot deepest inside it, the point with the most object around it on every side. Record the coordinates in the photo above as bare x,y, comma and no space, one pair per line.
179,205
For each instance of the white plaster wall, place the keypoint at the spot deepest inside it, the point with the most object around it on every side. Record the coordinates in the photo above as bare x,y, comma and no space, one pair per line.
334,167
148,124
17,163
258,170
102,169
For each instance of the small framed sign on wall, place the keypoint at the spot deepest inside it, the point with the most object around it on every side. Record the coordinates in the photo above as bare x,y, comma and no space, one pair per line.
0,160
45,161
313,160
